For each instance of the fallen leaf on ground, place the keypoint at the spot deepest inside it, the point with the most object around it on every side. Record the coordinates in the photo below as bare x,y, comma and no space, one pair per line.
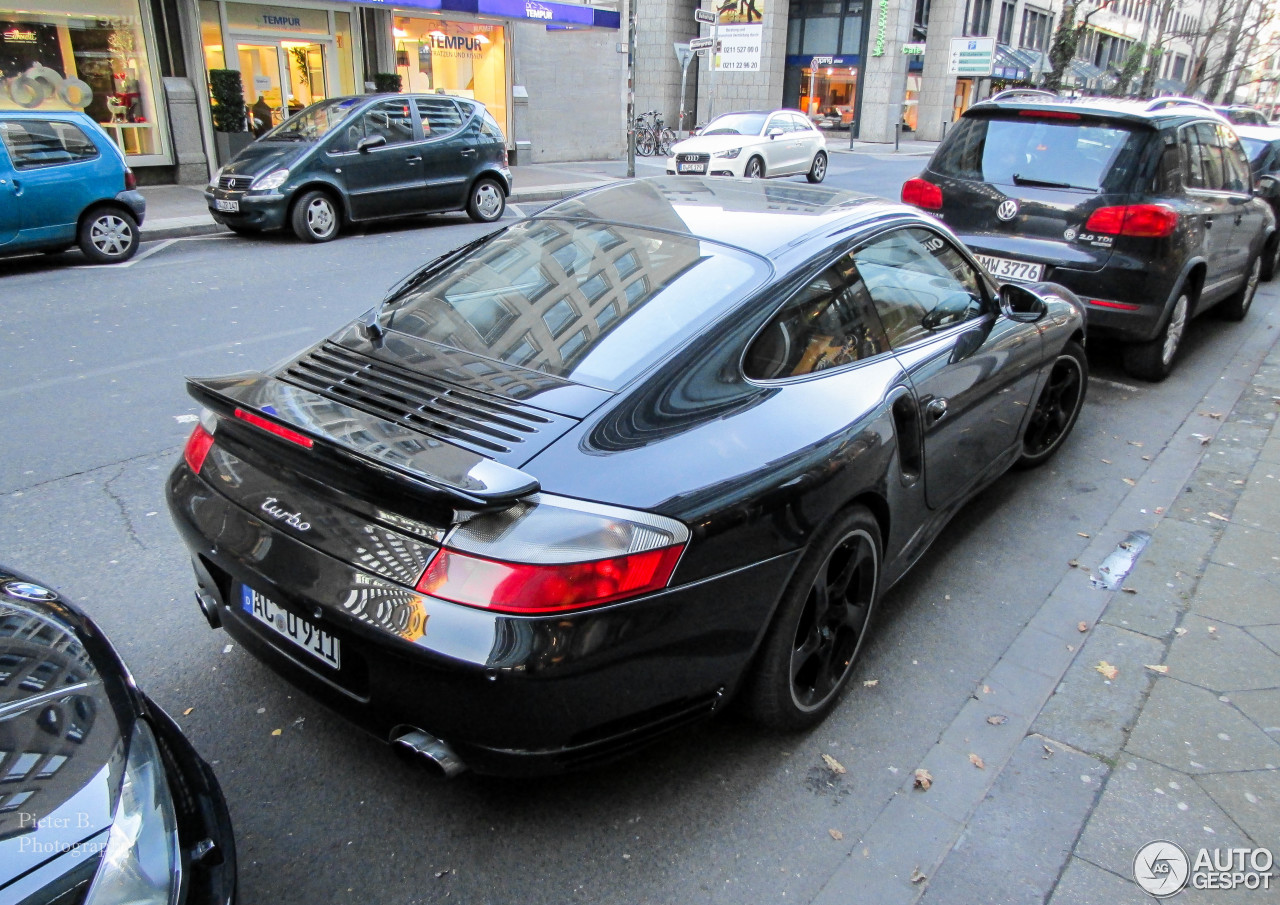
977,762
1159,510
1081,534
1161,668
1131,482
1179,632
1215,415
833,765
836,835
1106,461
1146,458
986,689
1071,647
997,719
187,712
441,873
276,731
916,876
1135,443
1082,626
1204,441
946,597
1213,629
1129,590
1073,563
1107,669
924,779
1048,752
870,683
1221,518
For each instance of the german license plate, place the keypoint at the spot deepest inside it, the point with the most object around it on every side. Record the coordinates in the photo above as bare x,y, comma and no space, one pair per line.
691,167
1009,269
321,645
224,204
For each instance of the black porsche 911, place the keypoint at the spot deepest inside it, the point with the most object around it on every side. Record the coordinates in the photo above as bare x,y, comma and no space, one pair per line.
588,478
102,799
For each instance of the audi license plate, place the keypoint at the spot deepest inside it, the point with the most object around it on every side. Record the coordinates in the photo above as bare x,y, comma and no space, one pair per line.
1008,269
691,167
321,645
223,204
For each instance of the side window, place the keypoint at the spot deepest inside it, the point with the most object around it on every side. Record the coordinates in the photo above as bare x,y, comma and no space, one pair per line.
778,122
1212,163
830,322
33,143
799,124
919,283
1166,180
439,116
489,127
1235,165
1193,160
391,120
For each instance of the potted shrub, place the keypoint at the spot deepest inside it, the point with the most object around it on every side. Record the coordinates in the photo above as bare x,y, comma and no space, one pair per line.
386,82
229,131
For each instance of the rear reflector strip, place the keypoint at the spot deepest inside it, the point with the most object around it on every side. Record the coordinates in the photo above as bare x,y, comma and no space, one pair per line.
273,428
1048,114
1121,306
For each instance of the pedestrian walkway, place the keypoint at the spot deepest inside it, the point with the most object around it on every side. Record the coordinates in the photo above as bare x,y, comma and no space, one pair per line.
1141,713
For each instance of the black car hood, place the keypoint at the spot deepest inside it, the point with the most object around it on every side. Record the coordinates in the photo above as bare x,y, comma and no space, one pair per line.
60,735
264,156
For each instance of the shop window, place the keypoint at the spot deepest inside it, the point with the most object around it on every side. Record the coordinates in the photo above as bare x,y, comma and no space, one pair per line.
463,59
52,59
39,143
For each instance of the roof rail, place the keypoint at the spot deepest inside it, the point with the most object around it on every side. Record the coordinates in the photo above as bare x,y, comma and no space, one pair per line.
1162,103
1020,92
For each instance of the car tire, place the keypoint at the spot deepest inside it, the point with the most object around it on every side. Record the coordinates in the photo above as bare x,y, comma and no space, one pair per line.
108,235
1271,258
486,202
754,169
315,217
1236,306
820,626
1153,360
818,169
1057,408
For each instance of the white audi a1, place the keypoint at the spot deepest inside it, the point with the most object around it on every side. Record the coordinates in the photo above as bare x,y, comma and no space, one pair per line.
754,144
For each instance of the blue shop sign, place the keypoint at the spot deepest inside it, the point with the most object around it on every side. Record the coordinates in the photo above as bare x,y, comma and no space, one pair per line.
532,10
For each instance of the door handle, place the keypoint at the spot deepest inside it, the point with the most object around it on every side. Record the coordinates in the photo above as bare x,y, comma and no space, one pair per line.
935,411
469,152
413,159
17,187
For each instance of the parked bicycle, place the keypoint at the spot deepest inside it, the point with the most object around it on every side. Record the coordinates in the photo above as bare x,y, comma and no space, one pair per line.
652,135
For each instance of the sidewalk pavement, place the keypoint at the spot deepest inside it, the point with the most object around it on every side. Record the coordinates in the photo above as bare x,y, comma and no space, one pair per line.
1078,768
174,211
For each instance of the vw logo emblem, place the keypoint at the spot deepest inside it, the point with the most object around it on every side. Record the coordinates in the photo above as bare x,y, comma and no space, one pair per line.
1007,210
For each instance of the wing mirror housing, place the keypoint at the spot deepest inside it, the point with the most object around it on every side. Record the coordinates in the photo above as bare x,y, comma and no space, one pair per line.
774,133
1269,188
369,142
1021,304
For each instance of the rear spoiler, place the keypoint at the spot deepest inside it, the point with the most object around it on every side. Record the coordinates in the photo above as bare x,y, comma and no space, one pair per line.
421,462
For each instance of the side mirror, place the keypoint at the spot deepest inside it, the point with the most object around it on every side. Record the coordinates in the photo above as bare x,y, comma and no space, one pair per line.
1269,188
774,133
1021,304
369,142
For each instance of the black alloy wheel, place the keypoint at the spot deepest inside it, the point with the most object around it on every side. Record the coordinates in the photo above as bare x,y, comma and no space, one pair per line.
755,169
1236,306
821,624
1057,408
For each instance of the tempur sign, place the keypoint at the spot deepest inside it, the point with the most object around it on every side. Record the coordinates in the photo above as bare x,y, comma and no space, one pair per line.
537,11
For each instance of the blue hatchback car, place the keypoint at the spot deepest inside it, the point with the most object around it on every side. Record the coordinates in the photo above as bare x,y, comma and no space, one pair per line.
64,182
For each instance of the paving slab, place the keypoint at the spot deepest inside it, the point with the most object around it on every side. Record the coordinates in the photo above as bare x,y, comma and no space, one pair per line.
1016,844
1262,707
1260,504
1189,729
1252,800
1254,549
1144,802
1088,711
1216,655
1162,579
1268,635
1238,597
1084,883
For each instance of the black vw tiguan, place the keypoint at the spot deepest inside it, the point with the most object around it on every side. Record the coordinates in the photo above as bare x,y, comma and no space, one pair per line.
1148,214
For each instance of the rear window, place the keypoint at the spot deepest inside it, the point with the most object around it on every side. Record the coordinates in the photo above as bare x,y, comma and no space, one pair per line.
593,303
1093,156
40,143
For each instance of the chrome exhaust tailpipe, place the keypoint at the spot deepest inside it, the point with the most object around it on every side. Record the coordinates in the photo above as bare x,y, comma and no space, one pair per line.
209,606
428,749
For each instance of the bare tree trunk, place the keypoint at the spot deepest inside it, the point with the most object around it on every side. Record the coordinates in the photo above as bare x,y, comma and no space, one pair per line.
1228,55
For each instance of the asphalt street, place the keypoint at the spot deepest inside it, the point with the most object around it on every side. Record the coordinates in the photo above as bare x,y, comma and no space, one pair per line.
93,415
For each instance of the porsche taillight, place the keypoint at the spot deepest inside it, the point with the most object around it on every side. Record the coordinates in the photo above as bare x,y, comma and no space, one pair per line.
553,554
200,441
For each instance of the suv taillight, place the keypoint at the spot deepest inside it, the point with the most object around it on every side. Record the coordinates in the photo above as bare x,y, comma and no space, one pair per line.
504,156
922,194
130,180
553,554
1147,221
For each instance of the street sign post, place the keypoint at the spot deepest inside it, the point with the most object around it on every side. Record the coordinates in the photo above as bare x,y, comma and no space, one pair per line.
700,43
972,56
684,54
704,15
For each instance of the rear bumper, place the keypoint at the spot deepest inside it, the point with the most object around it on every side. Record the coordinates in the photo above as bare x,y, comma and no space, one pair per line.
135,202
512,695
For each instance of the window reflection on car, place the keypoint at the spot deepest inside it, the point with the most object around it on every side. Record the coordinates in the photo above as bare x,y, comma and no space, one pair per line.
736,124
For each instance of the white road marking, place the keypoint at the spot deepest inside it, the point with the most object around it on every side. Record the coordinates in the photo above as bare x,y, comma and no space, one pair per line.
1119,386
159,246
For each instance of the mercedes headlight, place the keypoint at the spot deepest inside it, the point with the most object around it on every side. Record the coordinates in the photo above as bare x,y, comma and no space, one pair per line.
729,154
140,865
272,180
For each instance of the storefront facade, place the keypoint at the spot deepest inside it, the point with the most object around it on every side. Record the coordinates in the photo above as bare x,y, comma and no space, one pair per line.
89,55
